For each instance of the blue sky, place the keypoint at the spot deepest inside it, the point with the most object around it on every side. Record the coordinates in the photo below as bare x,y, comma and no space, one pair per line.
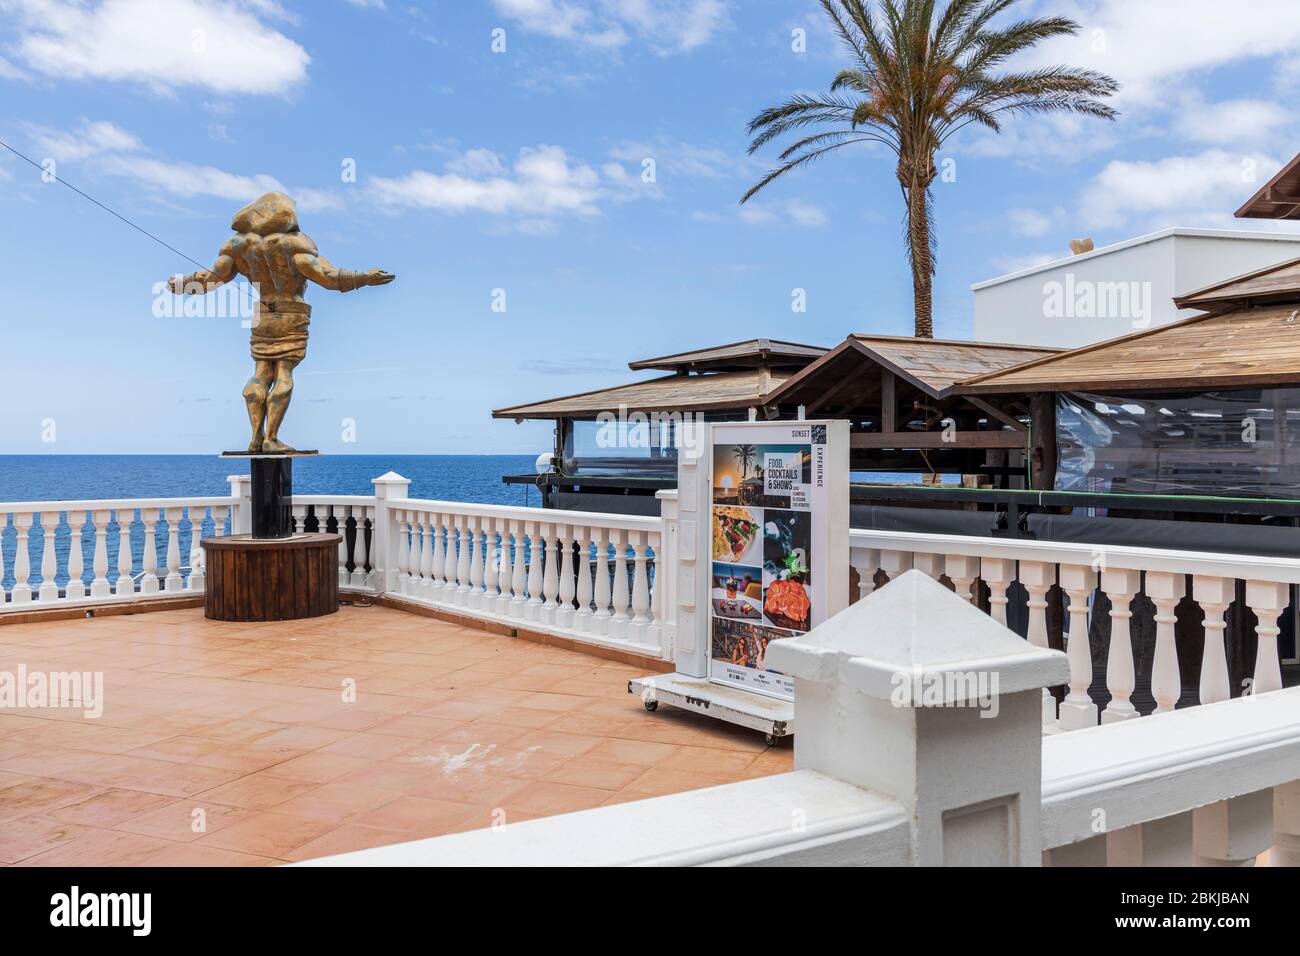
521,170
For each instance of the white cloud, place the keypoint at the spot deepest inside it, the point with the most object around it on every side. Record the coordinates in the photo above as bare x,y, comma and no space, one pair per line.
1228,121
677,158
1190,190
118,153
789,211
1149,47
1030,222
544,182
667,26
166,45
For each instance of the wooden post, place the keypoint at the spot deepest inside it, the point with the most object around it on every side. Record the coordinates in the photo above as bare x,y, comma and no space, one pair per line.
1042,460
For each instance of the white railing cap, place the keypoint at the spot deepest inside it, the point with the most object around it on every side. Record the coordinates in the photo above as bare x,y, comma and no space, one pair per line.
916,628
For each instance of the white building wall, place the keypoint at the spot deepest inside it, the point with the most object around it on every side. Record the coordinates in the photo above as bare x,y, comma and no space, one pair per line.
1118,289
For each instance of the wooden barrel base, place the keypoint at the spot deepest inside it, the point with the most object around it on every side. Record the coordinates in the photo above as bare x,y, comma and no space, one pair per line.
271,579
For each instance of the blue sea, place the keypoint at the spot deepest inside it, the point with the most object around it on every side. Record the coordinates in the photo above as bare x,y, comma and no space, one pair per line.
475,478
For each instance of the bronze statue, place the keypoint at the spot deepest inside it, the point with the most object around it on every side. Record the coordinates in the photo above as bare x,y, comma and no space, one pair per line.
270,252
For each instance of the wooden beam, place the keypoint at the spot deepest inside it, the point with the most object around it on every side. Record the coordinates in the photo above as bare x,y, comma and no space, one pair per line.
905,440
836,390
888,402
996,412
1042,455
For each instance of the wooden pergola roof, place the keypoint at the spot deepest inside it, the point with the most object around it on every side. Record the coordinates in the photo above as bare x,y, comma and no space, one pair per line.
752,353
852,369
1279,198
685,393
1270,285
1237,349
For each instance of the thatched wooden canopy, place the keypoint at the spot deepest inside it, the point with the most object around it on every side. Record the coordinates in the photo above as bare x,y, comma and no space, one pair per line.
900,390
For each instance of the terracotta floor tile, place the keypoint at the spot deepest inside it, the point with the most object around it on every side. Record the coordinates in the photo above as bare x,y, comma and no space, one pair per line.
419,815
544,798
258,791
268,834
110,807
40,795
102,848
348,839
658,781
28,836
229,744
318,766
338,803
185,820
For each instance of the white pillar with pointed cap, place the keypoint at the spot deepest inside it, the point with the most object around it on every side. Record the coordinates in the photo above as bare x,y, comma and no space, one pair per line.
919,695
383,559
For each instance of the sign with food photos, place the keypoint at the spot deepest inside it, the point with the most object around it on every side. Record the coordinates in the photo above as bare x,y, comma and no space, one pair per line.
769,484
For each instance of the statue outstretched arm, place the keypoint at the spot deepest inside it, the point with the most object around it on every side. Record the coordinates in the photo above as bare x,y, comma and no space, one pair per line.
319,270
205,280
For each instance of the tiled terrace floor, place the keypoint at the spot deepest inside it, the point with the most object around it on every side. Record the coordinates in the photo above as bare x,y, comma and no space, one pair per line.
232,743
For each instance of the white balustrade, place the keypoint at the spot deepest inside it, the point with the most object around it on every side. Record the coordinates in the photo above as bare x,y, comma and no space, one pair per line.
59,577
1162,576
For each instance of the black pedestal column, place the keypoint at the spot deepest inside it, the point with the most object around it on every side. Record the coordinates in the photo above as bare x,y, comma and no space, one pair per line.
272,497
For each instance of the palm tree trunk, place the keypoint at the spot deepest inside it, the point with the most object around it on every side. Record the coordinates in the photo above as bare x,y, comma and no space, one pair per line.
918,234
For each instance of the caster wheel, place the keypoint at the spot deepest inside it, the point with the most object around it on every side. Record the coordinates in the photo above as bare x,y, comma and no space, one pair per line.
772,740
652,705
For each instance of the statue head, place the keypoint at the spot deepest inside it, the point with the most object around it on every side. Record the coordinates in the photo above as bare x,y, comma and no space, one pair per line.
267,215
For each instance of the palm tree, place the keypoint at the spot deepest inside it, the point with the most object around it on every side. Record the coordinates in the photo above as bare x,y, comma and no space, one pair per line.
918,76
745,456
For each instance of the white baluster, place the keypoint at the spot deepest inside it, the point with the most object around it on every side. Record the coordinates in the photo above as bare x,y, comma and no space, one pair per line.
1233,832
99,586
962,571
219,513
568,583
340,513
1214,595
401,524
462,558
475,558
4,523
894,563
490,568
1037,578
76,587
601,597
1078,710
866,561
505,568
550,575
49,589
998,573
519,580
299,513
582,538
927,563
428,523
371,579
125,586
657,592
1286,825
1120,585
357,578
197,515
1165,589
640,580
1267,599
438,572
620,599
22,592
149,559
536,545
174,580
